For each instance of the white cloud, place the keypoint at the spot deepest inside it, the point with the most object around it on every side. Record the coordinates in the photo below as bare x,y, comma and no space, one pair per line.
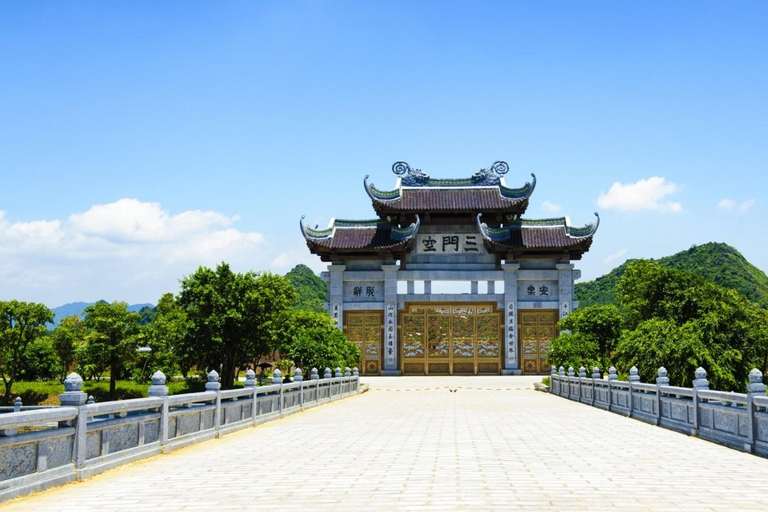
126,250
617,256
550,207
731,205
649,194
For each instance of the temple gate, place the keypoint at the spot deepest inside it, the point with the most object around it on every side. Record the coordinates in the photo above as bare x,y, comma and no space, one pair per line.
452,232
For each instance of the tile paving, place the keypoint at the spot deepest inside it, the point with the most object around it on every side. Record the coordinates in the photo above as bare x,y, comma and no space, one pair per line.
412,444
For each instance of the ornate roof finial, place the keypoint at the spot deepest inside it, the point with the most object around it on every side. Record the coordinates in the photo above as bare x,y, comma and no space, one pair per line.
401,168
500,167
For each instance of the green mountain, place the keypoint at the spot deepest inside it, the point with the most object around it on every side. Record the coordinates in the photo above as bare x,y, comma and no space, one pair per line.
77,308
309,287
719,263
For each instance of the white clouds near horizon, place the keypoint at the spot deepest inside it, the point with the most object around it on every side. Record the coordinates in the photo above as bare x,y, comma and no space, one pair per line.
731,205
550,207
126,250
615,257
643,195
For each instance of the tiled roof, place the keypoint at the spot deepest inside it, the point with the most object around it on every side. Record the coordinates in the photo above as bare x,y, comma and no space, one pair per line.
359,236
535,236
484,191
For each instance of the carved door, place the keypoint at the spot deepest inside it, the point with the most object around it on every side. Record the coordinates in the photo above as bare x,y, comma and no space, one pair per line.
450,339
365,329
537,330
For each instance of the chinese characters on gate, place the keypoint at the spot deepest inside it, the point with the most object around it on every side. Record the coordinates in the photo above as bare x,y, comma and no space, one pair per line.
511,330
390,332
447,244
543,290
370,291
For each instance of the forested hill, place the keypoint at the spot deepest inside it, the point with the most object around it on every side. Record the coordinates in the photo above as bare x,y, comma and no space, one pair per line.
719,263
309,287
77,308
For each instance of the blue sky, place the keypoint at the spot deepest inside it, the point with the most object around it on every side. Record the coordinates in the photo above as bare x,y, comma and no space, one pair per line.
139,140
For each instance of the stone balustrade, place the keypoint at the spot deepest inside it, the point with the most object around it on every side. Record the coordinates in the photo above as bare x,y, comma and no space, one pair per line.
44,447
737,420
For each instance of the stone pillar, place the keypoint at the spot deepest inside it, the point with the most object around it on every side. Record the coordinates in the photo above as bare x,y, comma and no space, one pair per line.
511,365
390,321
565,287
474,287
427,287
336,293
491,287
411,288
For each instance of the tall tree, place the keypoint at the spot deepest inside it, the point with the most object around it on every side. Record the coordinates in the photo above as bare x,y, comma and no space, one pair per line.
312,340
67,336
115,331
20,324
599,326
232,317
165,336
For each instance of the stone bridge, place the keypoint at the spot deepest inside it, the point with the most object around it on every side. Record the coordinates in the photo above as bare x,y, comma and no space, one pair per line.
434,443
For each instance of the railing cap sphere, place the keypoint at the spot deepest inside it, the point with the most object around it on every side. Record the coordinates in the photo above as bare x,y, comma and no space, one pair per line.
158,378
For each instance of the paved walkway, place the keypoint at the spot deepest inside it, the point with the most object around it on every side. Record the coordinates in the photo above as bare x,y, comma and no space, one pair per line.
411,444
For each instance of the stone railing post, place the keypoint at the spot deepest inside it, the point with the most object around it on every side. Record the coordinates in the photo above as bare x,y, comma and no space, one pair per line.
250,382
700,382
277,378
160,390
595,376
661,380
552,379
633,377
337,375
348,384
298,376
560,379
611,378
582,375
327,375
73,396
754,388
214,385
356,375
570,384
17,404
313,375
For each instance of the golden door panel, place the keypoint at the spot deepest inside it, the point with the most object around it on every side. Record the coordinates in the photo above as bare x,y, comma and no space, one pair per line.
450,339
365,330
537,330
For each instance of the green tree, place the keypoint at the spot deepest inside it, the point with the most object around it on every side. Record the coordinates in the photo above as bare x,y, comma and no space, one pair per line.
21,323
707,325
311,340
165,337
39,361
573,349
232,318
67,337
114,331
598,326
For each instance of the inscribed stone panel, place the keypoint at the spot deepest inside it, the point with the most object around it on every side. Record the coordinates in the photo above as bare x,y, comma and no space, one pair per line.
151,431
17,460
93,444
57,451
122,437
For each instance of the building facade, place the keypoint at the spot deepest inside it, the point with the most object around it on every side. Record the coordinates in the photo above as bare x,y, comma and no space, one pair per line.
395,282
